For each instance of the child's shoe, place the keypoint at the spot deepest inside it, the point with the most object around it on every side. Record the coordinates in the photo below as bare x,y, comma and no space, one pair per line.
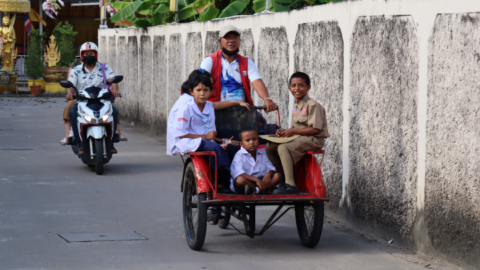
272,189
286,189
249,190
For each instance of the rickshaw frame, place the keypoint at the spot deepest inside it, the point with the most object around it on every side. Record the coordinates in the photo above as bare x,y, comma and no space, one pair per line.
309,180
304,169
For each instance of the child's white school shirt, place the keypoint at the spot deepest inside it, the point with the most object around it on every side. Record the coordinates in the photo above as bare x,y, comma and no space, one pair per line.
243,162
190,120
182,101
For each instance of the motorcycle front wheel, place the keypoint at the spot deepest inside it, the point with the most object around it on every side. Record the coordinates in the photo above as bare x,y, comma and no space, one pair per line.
99,156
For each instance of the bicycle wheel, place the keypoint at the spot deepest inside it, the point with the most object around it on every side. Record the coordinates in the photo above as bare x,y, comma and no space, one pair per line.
194,211
309,218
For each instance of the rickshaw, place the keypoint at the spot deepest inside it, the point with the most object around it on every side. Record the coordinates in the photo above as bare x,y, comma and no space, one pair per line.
199,187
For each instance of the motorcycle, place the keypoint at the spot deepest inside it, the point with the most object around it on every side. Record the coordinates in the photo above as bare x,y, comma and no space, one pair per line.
95,124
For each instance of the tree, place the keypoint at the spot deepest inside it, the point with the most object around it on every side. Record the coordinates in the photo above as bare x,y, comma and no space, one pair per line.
145,13
34,61
64,36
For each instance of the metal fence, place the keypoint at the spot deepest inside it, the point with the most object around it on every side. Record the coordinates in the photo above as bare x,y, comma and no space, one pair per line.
19,67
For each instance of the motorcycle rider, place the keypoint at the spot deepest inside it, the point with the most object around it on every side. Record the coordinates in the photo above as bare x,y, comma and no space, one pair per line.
90,76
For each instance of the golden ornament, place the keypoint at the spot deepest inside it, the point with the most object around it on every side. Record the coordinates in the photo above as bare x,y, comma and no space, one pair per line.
51,55
7,32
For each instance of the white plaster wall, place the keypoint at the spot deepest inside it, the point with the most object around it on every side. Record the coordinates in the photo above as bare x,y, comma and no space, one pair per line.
346,15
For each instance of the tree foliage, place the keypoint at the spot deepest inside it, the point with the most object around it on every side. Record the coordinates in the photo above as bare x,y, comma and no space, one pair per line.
34,61
64,37
145,13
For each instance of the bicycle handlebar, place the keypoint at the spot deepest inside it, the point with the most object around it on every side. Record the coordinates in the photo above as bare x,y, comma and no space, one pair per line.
265,108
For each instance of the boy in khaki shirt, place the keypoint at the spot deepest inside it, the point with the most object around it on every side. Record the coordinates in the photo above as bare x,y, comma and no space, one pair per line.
309,121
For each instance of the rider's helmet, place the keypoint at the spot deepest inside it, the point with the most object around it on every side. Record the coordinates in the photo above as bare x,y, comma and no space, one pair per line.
89,47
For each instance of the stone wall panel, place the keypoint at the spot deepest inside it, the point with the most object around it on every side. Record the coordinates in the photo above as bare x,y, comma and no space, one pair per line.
175,69
452,181
112,54
102,47
193,52
324,41
144,96
159,95
247,44
211,42
273,67
383,123
131,97
122,69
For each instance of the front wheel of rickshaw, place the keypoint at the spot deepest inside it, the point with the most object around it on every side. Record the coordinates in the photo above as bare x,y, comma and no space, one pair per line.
309,217
194,211
225,219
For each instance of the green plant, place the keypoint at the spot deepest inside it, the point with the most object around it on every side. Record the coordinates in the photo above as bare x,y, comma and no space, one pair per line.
34,61
145,13
64,36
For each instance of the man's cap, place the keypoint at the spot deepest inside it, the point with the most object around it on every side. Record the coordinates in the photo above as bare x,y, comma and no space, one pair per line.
227,29
275,139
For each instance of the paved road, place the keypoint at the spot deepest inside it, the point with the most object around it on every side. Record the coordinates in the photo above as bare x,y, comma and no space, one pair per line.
45,190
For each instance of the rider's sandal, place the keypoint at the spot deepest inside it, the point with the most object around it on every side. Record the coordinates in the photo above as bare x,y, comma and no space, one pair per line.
122,138
114,151
64,141
80,151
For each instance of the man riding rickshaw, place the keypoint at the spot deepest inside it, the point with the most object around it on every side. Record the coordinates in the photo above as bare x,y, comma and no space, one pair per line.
233,73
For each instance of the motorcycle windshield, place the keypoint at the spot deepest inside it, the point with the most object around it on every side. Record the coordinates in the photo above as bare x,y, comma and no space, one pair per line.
95,107
93,91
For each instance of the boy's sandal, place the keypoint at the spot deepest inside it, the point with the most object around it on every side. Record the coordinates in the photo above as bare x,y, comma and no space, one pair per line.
114,151
64,141
249,190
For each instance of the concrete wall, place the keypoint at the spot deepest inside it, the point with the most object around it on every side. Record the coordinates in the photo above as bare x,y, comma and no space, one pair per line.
452,181
383,126
398,81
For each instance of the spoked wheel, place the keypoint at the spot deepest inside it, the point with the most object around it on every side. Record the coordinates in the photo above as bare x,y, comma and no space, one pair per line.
309,217
223,222
98,156
194,211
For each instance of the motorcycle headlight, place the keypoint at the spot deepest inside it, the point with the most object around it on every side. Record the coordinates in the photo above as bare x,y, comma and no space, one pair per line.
88,118
105,118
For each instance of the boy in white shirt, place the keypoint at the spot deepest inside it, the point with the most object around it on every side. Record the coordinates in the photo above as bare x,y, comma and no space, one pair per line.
251,170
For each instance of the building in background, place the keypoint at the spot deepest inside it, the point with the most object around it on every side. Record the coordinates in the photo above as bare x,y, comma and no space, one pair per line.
84,15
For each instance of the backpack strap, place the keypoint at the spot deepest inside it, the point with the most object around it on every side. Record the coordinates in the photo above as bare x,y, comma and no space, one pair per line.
102,67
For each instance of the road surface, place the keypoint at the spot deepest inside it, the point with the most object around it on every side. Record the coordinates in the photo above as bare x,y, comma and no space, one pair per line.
46,191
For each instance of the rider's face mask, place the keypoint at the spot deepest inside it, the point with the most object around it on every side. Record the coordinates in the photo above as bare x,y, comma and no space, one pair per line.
89,59
230,53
